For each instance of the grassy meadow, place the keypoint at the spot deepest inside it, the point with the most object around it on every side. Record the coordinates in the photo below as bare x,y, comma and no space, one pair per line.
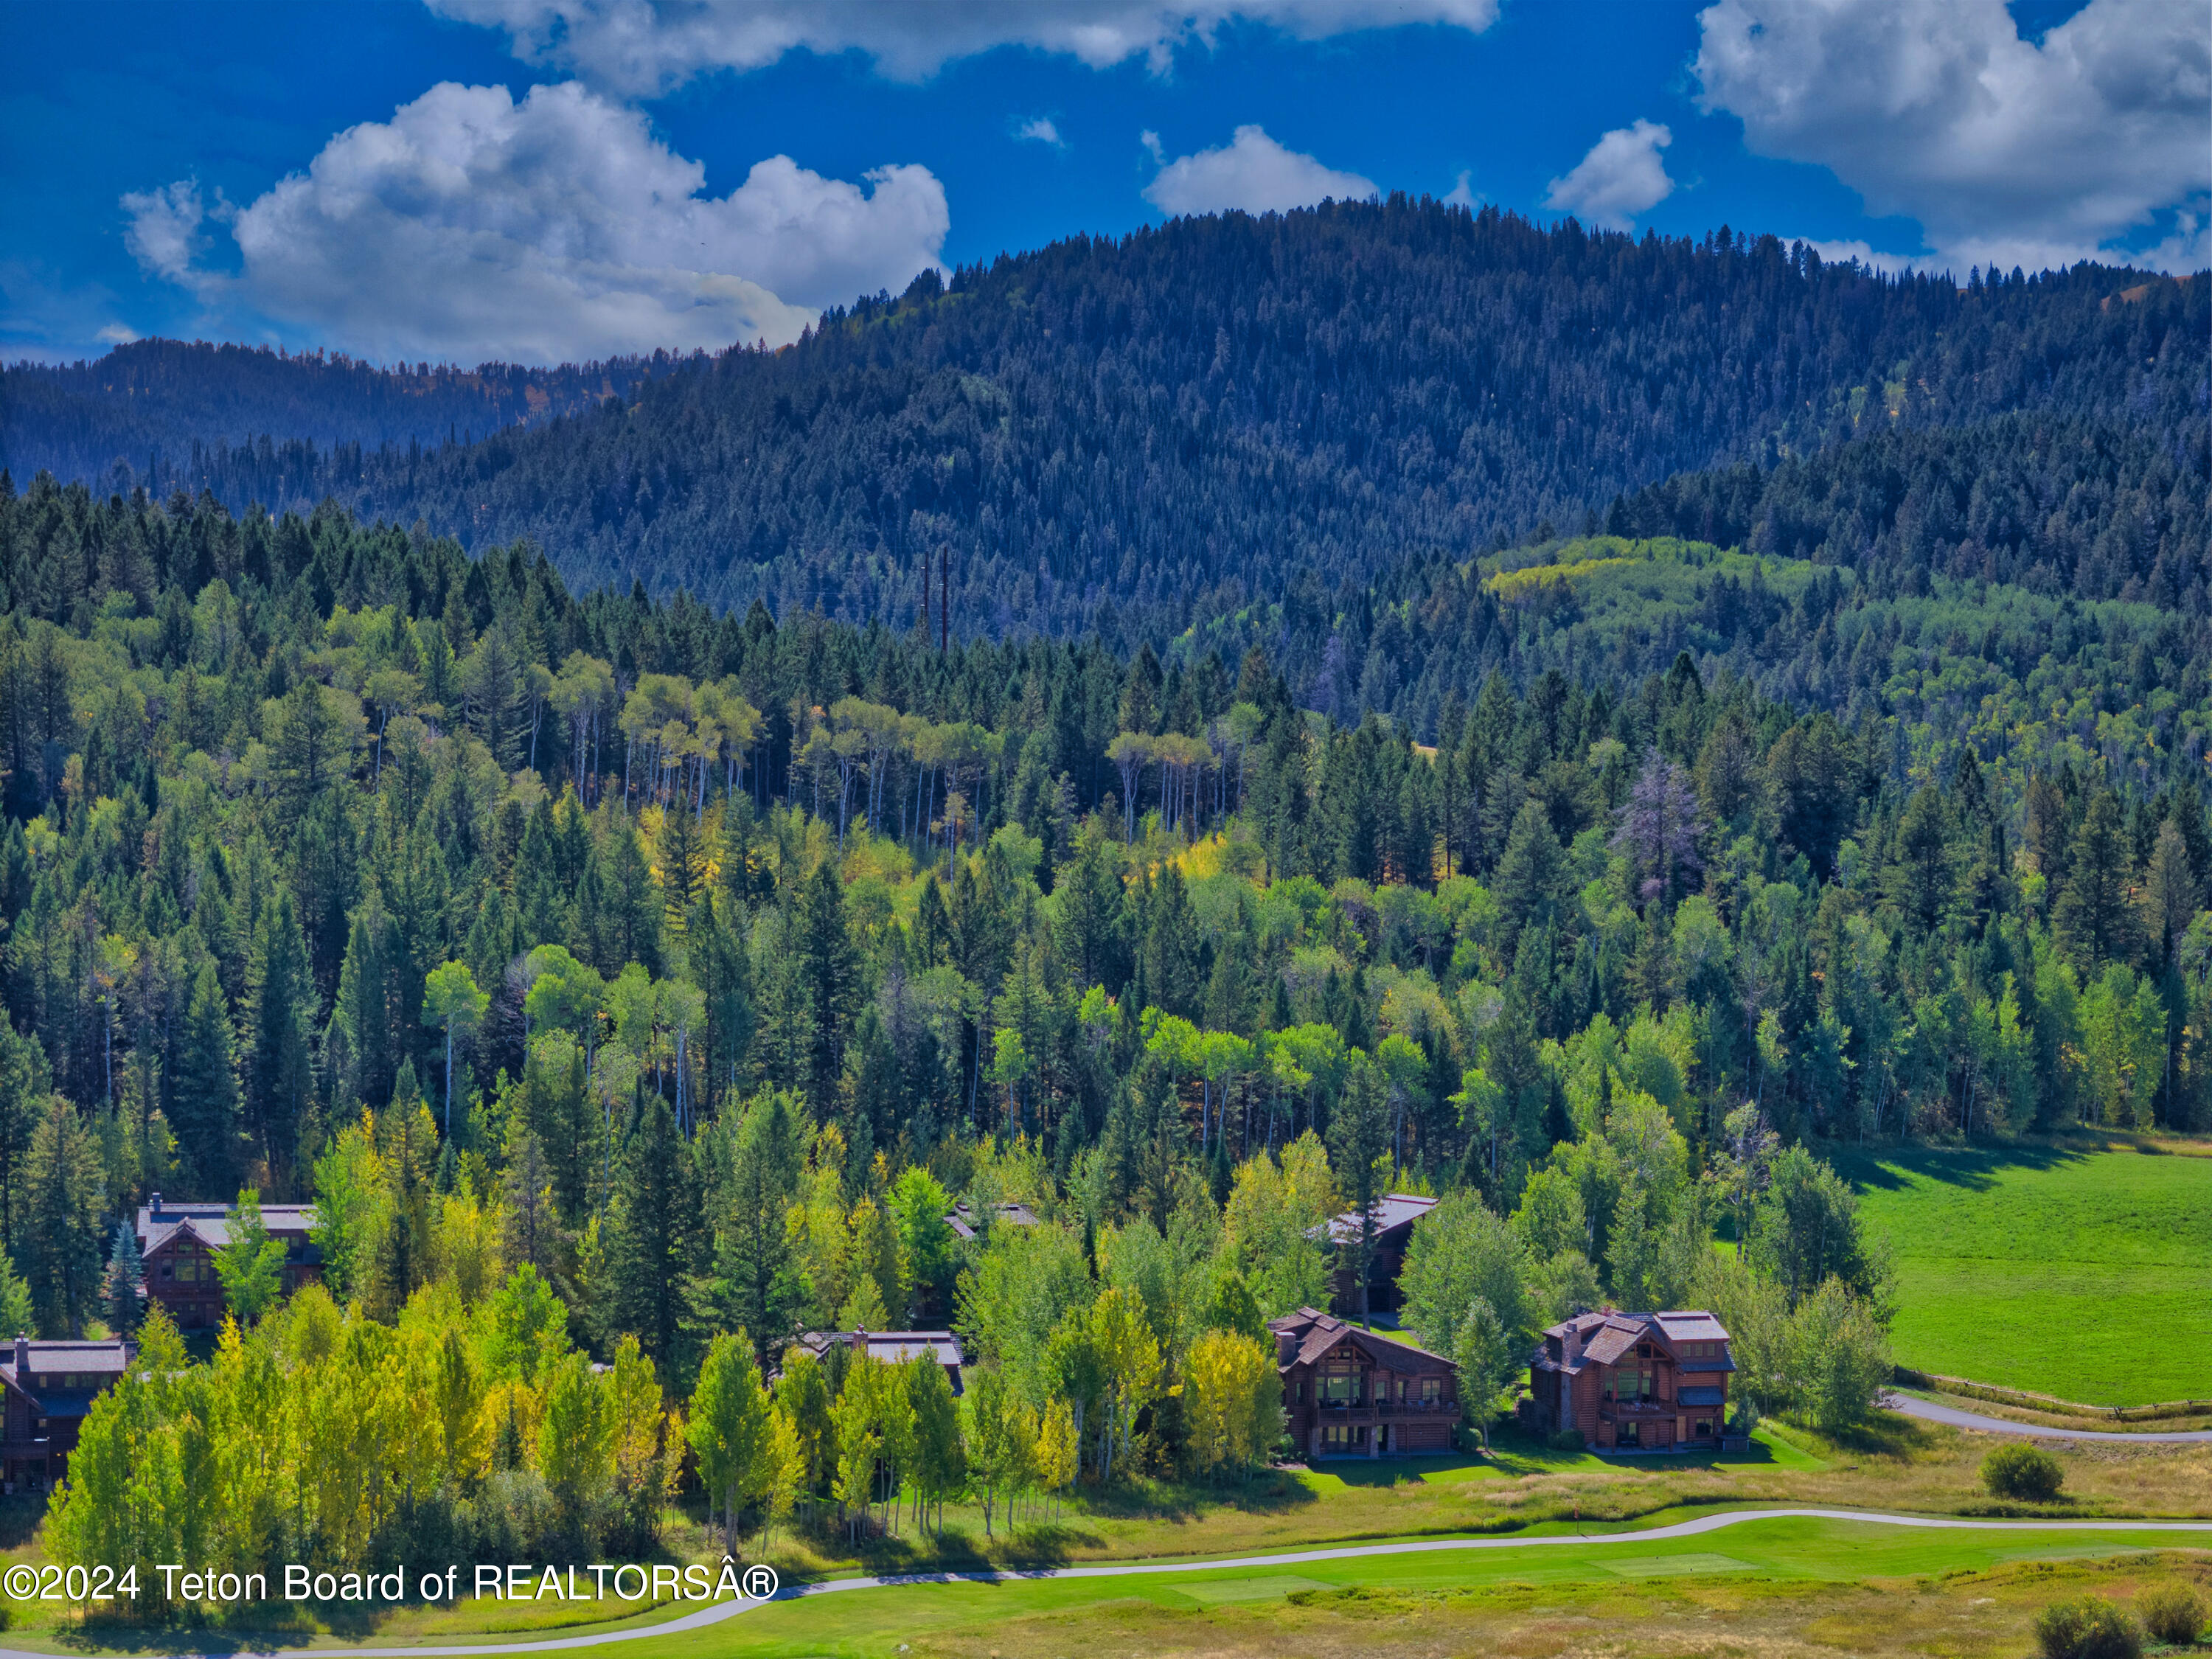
2081,1271
1783,1584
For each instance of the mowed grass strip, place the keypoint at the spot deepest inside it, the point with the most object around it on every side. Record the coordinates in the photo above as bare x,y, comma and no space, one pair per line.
965,1617
2086,1274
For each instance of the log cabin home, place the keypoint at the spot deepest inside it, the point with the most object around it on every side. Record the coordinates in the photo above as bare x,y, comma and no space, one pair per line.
1395,1216
48,1388
178,1242
1354,1393
1634,1381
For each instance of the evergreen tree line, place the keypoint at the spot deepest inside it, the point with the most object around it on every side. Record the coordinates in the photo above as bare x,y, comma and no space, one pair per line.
1128,435
172,411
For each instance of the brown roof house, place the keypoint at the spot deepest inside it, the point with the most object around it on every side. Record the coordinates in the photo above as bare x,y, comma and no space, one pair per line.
1353,1392
1395,1216
178,1242
48,1388
891,1347
1634,1381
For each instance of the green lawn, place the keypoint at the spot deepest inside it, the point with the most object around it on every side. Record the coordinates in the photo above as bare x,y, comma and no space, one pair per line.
2086,1274
973,1618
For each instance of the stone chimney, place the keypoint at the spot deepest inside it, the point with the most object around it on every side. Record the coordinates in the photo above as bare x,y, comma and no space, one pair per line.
1286,1347
22,1359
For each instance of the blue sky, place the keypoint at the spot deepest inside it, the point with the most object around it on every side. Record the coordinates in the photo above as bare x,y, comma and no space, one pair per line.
540,179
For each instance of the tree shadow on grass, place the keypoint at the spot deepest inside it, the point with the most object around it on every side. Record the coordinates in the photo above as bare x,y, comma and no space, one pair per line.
1401,1470
1268,1492
20,1514
1890,1434
1973,1168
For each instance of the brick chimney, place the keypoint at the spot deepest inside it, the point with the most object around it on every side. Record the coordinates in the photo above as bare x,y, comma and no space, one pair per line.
22,1359
1286,1347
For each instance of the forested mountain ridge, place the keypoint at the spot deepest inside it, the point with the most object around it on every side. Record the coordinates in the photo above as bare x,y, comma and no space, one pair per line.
1977,577
169,410
1155,430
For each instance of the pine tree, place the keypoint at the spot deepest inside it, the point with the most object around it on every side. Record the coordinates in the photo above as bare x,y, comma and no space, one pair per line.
530,1233
830,965
630,904
22,1081
2093,914
122,1289
63,1229
280,1073
682,851
648,1239
206,1114
1359,1133
757,1284
407,1150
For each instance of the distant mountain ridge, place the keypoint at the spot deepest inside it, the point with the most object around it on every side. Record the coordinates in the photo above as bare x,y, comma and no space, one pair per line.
149,403
1144,434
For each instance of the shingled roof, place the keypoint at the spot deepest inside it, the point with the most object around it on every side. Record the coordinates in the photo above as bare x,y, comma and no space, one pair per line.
1606,1337
288,1224
1316,1332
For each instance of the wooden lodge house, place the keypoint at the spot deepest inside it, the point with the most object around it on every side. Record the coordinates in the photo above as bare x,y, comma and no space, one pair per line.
48,1388
178,1242
1395,1216
1634,1381
1354,1393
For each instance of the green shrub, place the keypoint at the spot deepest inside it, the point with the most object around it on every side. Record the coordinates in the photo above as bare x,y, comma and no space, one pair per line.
2090,1628
1567,1440
2173,1613
2018,1471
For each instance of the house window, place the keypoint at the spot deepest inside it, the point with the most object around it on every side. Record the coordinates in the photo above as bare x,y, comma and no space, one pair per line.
1401,1390
1432,1390
1705,1430
1340,1388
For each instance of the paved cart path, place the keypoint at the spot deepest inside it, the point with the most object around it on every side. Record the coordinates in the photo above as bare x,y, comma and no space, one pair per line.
718,1611
1928,1411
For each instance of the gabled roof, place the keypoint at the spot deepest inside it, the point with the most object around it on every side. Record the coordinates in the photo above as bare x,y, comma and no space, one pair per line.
104,1362
1316,1333
1612,1342
210,1224
1391,1210
963,1219
1605,1339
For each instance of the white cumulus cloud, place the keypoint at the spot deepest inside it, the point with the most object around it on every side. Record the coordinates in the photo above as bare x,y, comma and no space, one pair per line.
164,232
472,227
1620,177
640,47
1253,173
1041,131
2005,151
